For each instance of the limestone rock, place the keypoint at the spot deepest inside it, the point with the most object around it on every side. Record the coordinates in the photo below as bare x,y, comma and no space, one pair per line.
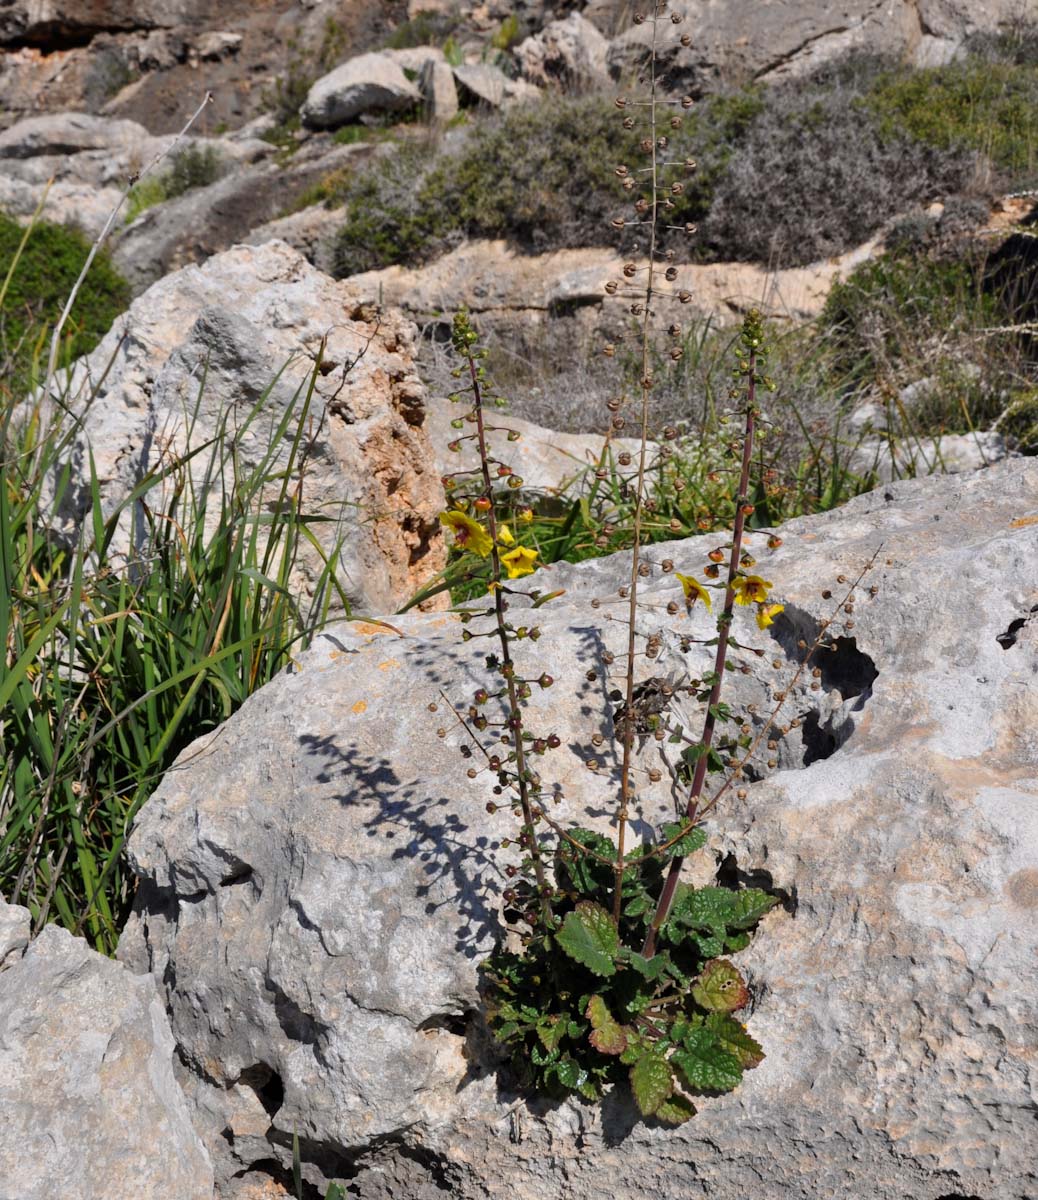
906,456
790,40
439,94
319,881
483,84
369,83
569,52
414,58
91,1106
490,278
69,133
240,319
15,923
547,461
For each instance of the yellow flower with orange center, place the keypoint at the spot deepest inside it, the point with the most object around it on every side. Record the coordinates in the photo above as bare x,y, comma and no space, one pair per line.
693,590
766,614
468,533
520,561
751,589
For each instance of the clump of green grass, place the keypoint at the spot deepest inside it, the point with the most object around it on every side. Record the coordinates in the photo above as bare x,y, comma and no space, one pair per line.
192,167
112,666
39,276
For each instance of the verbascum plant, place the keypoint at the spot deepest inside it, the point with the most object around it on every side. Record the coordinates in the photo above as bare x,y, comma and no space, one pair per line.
615,970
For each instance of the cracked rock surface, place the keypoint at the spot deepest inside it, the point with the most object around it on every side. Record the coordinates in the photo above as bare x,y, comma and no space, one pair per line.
91,1108
250,316
320,879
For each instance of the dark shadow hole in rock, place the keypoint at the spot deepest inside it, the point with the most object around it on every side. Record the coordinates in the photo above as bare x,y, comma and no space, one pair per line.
821,741
268,1086
297,1025
959,1196
1008,639
242,875
333,1163
456,1023
846,668
730,875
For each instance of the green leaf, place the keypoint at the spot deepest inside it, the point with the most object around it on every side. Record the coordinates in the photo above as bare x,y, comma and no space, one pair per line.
647,968
542,1057
551,1031
720,987
607,1035
636,1047
589,936
750,905
708,945
733,1037
735,942
652,1081
638,906
584,873
693,840
569,1073
676,1110
705,1065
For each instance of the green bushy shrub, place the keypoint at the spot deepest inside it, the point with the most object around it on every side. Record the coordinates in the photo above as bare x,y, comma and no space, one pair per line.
988,107
193,166
541,175
40,283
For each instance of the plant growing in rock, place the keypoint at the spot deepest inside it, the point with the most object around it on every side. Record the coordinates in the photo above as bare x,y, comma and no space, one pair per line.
615,968
621,969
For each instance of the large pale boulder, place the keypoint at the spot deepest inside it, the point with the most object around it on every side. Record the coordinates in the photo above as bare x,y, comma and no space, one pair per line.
92,1110
319,881
369,83
788,40
250,323
569,53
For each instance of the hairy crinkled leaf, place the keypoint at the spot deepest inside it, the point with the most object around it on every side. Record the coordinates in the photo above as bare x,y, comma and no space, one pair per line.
733,1037
585,873
647,968
638,906
589,936
736,941
694,839
551,1031
569,1073
676,1110
720,987
705,1065
607,1035
542,1057
709,945
750,905
652,1081
634,1050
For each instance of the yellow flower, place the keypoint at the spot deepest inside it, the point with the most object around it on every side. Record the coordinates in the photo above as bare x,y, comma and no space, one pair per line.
694,590
468,533
526,515
766,613
751,589
519,561
504,536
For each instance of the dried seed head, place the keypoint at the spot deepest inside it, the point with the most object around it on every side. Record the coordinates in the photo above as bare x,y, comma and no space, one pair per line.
667,565
629,270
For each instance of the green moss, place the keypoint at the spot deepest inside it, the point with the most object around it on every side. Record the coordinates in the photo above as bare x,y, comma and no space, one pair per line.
39,287
1019,422
989,107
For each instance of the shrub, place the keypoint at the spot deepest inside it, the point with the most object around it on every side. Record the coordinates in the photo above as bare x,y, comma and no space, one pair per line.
41,278
541,175
815,176
193,166
1019,422
988,107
